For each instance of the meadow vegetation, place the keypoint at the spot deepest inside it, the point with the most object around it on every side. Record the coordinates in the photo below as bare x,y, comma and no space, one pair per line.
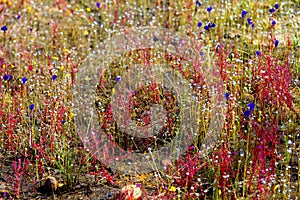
255,48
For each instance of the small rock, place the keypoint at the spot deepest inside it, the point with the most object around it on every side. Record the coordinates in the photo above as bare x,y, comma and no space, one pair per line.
51,184
131,192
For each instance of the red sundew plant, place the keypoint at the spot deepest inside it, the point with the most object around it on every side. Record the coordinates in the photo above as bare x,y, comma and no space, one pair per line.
270,82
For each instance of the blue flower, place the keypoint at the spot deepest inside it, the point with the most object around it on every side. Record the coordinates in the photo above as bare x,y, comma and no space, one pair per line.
98,4
226,95
118,79
63,121
249,21
5,77
4,28
54,77
276,5
244,13
199,24
252,25
257,53
211,25
198,3
155,39
24,80
31,106
272,10
251,106
276,42
209,9
273,23
247,113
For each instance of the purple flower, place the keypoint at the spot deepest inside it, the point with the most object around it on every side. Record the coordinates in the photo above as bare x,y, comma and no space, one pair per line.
24,80
276,42
209,9
10,77
219,47
199,24
244,13
54,77
206,28
273,23
276,5
139,185
272,10
4,28
252,25
19,16
198,3
257,53
118,79
63,121
155,39
31,106
234,152
98,4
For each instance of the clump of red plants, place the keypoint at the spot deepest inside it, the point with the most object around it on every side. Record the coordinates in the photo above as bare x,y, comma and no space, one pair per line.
245,159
